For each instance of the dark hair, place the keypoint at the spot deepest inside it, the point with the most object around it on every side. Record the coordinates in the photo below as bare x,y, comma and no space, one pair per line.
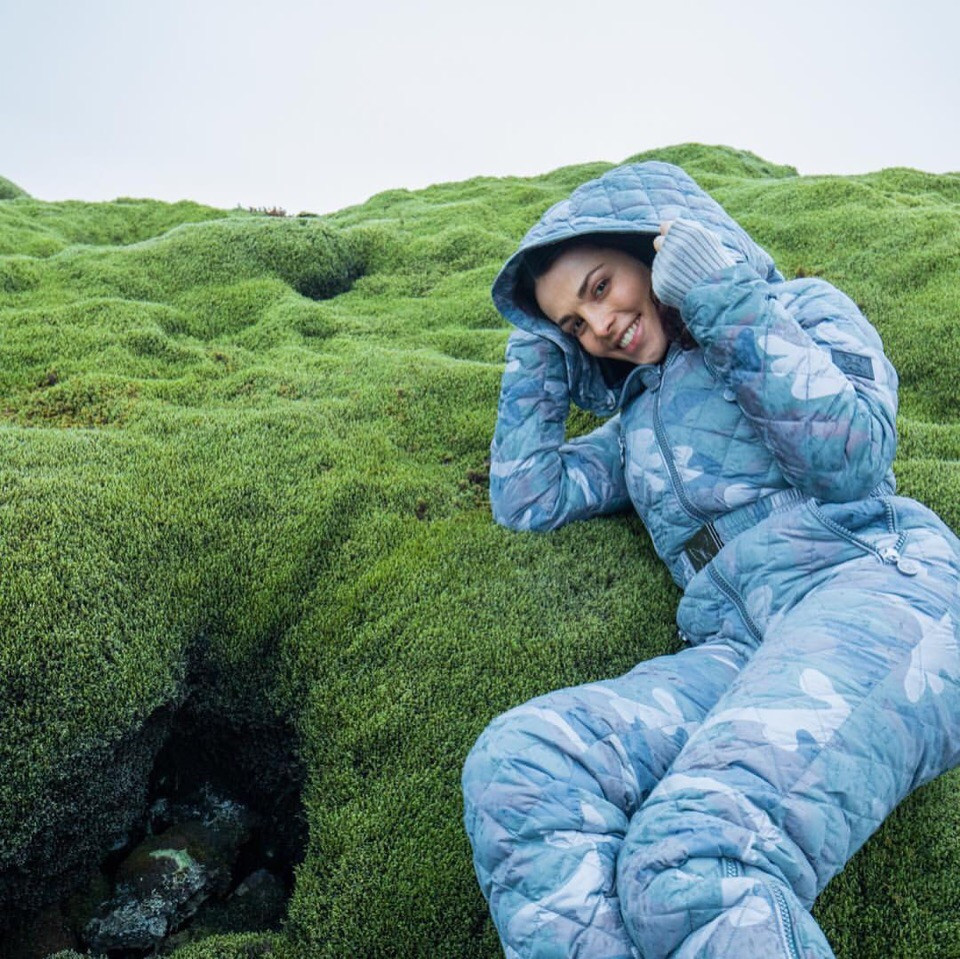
536,262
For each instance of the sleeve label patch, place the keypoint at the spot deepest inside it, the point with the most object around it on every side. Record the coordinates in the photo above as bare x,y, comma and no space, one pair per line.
853,364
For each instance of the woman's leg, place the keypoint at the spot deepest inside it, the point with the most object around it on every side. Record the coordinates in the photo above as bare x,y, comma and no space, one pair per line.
550,786
849,703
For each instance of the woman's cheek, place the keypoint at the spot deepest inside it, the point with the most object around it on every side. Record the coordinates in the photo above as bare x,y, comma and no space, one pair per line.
591,345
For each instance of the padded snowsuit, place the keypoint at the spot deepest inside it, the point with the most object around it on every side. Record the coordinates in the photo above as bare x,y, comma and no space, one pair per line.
696,806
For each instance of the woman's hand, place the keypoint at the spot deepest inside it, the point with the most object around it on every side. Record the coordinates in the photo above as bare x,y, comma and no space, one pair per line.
686,254
664,230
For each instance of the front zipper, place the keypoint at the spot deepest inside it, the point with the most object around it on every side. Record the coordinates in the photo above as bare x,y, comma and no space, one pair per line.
667,453
721,583
731,868
889,554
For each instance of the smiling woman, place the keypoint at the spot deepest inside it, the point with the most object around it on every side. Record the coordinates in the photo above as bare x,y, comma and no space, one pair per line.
695,807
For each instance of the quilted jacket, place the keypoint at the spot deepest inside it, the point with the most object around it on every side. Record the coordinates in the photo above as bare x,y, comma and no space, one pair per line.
789,387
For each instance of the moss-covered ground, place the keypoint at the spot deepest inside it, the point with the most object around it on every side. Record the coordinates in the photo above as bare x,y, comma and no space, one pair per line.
252,449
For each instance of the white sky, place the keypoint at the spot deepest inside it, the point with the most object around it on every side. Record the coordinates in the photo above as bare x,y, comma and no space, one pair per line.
318,105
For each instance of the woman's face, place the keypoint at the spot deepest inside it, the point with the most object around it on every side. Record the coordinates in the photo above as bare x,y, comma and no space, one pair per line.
603,297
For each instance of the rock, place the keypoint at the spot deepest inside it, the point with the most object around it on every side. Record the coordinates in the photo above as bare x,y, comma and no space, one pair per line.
159,816
259,902
231,821
164,881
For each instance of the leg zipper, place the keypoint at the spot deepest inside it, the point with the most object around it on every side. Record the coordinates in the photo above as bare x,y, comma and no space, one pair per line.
786,924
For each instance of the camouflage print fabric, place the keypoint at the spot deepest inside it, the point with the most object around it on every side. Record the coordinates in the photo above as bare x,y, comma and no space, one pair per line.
696,806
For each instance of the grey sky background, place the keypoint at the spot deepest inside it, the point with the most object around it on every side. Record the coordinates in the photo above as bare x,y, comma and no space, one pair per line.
315,106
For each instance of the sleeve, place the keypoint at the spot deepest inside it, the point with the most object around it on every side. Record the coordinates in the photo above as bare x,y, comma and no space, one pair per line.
812,378
538,481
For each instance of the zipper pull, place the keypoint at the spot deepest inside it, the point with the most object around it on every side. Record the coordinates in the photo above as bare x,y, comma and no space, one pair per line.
905,565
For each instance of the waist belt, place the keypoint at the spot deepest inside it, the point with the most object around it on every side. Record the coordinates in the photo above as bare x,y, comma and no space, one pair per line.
711,538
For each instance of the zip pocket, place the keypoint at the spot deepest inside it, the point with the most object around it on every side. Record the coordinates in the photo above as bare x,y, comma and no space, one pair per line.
889,554
731,870
721,583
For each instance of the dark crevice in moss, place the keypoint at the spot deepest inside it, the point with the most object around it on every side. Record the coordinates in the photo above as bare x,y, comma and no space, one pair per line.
181,765
324,286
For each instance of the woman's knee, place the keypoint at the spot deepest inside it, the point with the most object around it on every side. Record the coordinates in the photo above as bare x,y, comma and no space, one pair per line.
541,766
500,744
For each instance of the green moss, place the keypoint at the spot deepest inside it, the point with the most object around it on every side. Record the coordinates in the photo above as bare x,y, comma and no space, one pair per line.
9,190
251,451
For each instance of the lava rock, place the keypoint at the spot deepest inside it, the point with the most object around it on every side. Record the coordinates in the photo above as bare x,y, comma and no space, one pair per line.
164,881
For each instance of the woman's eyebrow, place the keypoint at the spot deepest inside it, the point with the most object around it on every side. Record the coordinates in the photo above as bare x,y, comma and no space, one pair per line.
564,320
586,280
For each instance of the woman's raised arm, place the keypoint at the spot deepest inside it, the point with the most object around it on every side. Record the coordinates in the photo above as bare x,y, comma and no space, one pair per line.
538,481
809,372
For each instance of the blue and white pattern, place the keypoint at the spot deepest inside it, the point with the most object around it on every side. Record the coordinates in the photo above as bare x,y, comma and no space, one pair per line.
696,806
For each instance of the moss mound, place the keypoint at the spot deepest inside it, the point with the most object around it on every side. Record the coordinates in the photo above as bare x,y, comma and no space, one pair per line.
242,478
9,190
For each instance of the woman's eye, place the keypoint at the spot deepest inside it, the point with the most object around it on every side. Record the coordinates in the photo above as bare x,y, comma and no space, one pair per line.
599,288
577,326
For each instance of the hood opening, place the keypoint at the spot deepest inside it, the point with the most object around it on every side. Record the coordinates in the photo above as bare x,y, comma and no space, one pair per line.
626,205
534,262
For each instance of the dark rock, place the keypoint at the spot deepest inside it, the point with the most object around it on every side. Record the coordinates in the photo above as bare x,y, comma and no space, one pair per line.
259,902
167,877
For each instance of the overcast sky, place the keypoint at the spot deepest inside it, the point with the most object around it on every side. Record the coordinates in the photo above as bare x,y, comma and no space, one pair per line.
317,105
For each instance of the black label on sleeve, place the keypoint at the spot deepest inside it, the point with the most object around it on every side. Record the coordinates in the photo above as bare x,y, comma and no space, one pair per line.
853,364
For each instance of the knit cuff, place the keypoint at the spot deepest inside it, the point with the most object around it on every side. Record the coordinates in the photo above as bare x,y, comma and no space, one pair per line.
689,253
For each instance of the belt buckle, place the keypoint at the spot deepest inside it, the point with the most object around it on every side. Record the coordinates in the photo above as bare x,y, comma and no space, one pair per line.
703,546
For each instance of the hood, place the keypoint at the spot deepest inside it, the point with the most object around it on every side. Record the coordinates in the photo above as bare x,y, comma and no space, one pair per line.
634,198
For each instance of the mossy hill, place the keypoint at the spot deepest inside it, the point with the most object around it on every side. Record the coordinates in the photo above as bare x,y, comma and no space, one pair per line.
242,472
9,190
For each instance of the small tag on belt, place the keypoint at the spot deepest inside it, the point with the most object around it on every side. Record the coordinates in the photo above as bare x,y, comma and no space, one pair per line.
703,546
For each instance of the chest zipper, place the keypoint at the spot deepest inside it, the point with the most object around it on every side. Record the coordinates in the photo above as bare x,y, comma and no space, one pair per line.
889,554
667,454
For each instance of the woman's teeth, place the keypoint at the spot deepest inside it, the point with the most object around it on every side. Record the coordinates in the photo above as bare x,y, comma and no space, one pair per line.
628,336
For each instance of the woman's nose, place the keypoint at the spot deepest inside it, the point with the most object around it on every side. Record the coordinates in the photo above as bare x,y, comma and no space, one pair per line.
600,320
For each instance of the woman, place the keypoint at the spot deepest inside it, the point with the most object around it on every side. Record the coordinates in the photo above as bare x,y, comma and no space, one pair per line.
696,806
